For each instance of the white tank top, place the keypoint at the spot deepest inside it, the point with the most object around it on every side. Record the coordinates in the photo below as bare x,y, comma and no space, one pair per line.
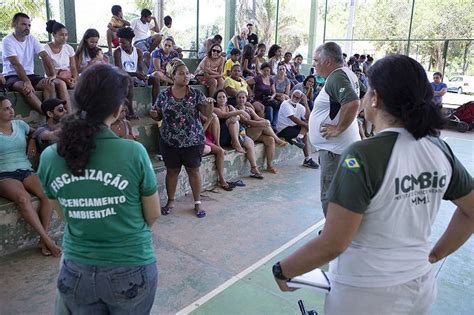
129,61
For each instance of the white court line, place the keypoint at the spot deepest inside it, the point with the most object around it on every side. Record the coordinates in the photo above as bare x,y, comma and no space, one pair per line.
193,306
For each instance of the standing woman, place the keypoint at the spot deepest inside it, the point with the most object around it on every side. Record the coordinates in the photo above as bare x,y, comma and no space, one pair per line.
210,71
109,204
181,133
17,179
86,48
61,53
381,207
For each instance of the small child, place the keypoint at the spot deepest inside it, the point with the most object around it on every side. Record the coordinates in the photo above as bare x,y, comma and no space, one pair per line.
97,56
234,59
122,127
115,23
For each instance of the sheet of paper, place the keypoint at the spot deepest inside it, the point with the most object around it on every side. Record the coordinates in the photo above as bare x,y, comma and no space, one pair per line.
315,279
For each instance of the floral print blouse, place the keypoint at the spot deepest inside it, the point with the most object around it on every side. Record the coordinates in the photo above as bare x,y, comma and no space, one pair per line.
181,126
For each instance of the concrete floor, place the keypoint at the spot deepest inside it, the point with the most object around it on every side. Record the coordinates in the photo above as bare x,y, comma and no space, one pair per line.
196,256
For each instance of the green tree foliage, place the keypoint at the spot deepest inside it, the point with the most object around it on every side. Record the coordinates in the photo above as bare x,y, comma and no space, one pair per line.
8,8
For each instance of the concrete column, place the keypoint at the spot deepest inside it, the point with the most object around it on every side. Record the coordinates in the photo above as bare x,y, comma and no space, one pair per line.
68,16
313,22
229,29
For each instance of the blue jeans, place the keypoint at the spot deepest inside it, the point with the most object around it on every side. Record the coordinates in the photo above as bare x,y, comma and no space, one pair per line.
91,290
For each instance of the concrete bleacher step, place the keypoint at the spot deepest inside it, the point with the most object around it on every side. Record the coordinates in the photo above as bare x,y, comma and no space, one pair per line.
16,234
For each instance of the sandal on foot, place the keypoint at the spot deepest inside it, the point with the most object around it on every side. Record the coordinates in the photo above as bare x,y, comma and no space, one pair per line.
200,213
255,173
166,210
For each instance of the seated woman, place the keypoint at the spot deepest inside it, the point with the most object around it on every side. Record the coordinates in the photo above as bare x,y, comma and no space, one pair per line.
211,68
235,83
237,41
122,127
211,145
61,54
274,57
307,87
181,134
17,179
297,61
290,68
248,61
282,83
206,46
259,129
264,90
233,133
160,58
260,57
86,49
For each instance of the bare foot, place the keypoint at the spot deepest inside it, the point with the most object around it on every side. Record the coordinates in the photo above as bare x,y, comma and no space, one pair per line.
281,143
43,248
271,169
238,148
53,248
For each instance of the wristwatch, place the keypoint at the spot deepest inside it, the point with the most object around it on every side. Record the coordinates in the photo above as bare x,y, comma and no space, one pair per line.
277,272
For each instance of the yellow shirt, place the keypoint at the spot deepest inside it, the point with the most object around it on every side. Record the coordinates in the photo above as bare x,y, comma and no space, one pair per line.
236,85
116,22
228,66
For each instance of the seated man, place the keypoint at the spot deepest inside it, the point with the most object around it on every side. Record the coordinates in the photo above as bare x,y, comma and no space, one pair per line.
130,59
233,60
54,109
115,23
234,83
143,40
292,125
19,50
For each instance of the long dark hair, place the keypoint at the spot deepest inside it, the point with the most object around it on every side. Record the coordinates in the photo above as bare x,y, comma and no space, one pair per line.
407,95
91,32
99,92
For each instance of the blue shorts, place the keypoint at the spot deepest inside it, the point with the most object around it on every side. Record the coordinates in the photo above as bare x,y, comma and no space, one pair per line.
19,175
144,44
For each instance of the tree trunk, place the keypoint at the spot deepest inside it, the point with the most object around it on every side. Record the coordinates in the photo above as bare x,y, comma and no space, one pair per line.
465,63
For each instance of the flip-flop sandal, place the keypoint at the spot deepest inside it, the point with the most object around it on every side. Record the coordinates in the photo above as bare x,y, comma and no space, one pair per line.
272,170
238,183
256,175
200,213
166,210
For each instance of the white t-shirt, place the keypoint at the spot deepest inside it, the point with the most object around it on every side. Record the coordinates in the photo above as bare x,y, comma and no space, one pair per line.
61,60
286,110
341,87
25,52
141,30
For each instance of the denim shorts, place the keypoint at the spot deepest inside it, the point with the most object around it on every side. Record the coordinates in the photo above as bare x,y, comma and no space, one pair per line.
91,289
19,175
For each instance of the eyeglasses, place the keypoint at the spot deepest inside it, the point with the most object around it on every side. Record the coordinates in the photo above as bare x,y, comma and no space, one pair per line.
297,98
216,51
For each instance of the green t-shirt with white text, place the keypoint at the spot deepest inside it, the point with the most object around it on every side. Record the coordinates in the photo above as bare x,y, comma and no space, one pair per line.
103,209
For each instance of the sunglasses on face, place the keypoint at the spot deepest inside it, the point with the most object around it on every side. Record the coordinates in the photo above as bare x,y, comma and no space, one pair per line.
216,51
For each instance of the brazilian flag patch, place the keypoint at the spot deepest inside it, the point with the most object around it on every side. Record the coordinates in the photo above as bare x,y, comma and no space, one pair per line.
351,163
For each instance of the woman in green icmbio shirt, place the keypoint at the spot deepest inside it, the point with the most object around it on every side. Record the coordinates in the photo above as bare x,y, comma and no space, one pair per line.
107,190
